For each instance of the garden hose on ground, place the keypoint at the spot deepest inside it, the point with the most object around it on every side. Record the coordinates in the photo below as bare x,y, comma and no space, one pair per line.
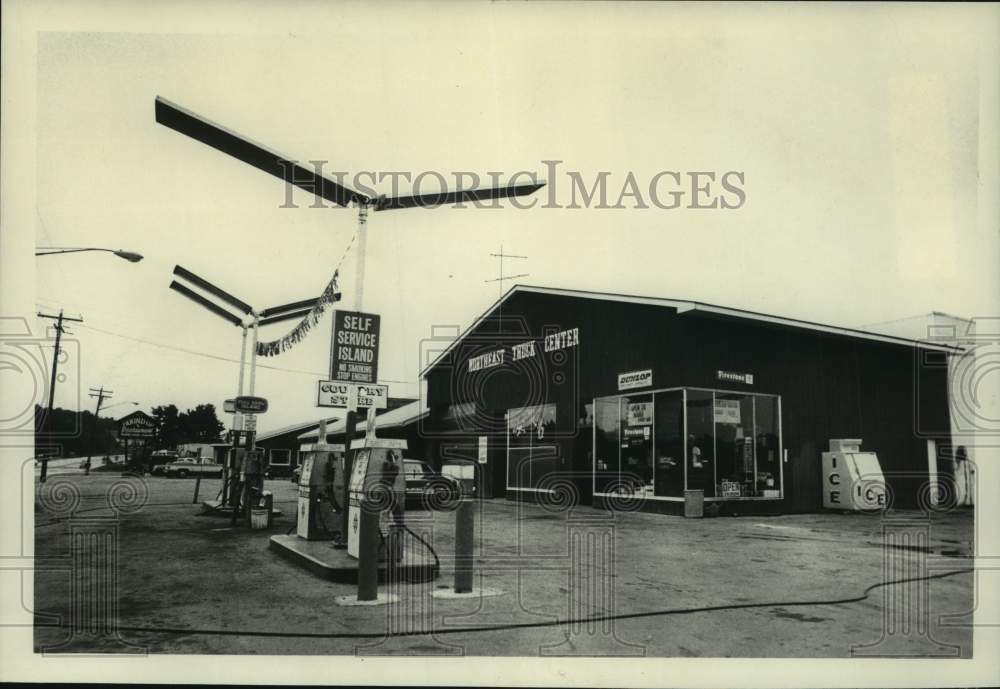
521,625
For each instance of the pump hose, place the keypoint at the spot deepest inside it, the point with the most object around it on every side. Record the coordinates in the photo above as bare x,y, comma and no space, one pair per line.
382,544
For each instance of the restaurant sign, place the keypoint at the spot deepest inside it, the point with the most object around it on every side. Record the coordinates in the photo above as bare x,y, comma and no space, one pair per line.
137,425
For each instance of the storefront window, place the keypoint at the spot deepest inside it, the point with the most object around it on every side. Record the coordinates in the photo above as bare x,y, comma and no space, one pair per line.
531,452
768,447
668,451
636,470
727,444
734,432
701,441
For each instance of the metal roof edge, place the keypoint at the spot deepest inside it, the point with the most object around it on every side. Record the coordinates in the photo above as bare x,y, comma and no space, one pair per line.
686,306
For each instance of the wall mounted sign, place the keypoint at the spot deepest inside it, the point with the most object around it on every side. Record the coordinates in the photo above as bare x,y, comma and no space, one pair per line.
563,339
635,379
731,377
354,347
488,360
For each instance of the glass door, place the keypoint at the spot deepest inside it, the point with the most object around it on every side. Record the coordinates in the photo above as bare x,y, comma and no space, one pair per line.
636,472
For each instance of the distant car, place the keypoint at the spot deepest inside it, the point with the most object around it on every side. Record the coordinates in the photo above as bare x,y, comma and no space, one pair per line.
430,488
163,459
183,468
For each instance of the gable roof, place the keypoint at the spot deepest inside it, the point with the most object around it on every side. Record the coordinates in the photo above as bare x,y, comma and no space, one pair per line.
686,306
394,418
298,427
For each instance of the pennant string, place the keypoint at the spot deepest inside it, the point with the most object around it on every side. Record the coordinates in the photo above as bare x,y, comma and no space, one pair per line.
298,333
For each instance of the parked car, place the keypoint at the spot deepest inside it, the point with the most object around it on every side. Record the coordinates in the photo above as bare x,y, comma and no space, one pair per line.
164,459
429,488
183,468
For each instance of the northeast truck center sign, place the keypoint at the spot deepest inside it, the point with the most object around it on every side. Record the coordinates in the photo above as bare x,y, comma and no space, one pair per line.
354,348
550,343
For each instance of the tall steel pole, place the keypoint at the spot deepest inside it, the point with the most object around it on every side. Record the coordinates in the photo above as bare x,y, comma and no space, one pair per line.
253,356
351,418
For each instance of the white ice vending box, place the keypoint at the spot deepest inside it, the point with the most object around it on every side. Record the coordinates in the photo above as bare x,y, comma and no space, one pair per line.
852,480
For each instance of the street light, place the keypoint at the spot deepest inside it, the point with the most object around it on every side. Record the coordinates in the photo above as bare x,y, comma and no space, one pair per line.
118,405
130,256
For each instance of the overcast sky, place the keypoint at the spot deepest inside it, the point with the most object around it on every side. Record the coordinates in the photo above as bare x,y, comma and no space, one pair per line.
857,130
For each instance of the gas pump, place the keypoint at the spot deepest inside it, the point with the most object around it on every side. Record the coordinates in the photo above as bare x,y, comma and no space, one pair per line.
321,480
378,482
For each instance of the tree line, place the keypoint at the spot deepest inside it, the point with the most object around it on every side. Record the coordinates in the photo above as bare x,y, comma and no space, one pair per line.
68,433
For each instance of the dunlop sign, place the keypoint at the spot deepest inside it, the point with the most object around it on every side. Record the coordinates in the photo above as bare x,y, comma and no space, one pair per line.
635,379
337,393
354,347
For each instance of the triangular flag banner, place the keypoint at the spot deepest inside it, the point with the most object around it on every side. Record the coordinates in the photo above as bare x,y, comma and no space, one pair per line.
276,347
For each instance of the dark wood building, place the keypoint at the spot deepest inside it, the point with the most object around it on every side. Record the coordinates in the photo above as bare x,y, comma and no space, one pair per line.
620,395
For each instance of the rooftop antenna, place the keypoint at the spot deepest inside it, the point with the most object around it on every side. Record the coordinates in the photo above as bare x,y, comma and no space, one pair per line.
501,279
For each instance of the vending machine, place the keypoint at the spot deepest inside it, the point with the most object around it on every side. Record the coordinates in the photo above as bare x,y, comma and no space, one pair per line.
320,482
852,480
378,482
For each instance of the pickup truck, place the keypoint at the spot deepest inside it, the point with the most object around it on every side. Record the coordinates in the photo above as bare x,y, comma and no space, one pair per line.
183,468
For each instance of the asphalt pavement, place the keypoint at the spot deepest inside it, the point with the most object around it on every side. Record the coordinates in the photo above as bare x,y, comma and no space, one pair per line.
575,581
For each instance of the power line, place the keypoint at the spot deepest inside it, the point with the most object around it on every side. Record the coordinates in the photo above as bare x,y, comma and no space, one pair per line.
218,357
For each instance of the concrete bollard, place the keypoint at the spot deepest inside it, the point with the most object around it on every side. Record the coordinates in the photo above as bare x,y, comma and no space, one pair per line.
465,529
368,555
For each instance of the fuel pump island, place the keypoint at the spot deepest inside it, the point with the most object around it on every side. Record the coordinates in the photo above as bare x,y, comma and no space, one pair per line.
351,524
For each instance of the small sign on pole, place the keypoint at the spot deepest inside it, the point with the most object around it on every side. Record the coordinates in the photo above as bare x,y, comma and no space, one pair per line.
251,405
137,425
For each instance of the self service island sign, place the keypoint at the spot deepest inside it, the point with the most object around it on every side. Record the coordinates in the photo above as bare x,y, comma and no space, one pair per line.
354,353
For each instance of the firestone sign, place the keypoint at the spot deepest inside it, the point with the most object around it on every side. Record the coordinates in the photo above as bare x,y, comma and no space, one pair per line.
354,349
137,425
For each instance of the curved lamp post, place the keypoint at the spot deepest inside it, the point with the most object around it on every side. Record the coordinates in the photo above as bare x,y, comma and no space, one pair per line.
130,256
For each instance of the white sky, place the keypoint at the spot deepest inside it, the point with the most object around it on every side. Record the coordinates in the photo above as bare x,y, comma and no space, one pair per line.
859,131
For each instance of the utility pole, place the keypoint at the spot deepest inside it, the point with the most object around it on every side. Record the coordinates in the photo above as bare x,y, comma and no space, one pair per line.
101,395
60,329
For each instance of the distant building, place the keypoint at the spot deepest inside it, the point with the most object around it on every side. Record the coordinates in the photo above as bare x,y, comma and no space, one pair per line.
282,444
